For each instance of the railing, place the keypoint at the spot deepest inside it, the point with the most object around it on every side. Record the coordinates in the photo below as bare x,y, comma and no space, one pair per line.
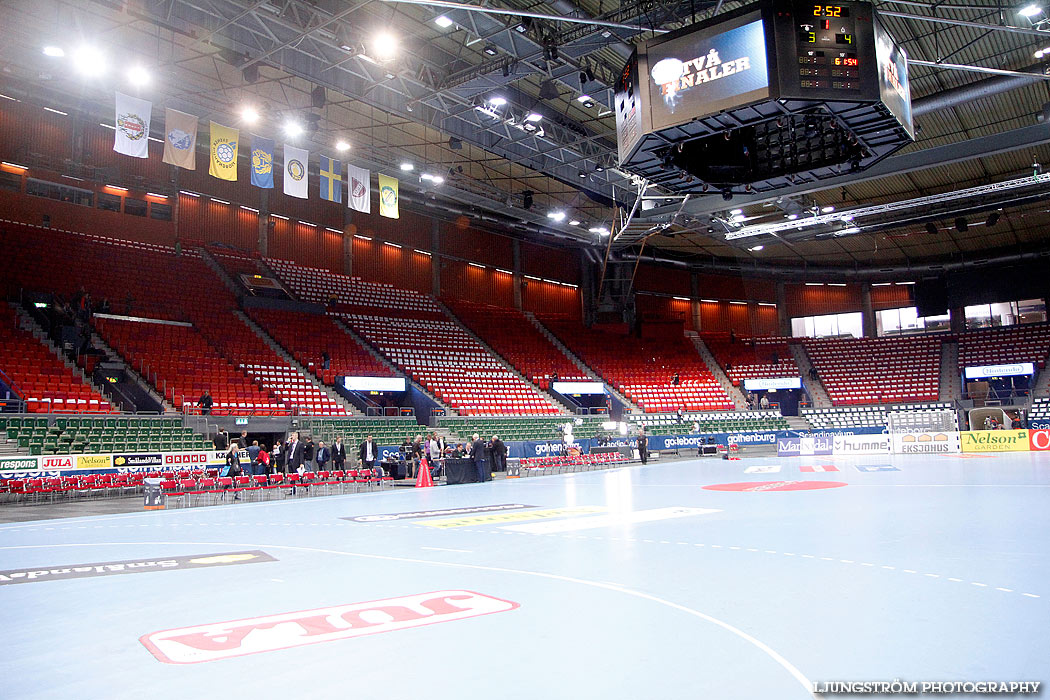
390,411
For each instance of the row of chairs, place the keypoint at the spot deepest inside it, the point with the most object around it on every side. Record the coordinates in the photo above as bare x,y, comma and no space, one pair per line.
578,463
70,487
216,489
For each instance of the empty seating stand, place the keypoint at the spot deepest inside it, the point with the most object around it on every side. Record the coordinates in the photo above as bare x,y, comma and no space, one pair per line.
864,416
641,369
1000,346
511,334
753,358
857,371
39,377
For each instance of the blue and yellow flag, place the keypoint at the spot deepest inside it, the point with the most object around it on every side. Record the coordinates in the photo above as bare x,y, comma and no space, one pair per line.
388,197
331,180
223,161
262,162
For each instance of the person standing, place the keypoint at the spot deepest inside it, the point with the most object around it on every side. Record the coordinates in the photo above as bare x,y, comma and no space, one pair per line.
253,458
205,403
477,453
233,467
368,453
277,457
263,467
499,454
338,454
293,454
242,441
323,455
308,454
643,446
221,440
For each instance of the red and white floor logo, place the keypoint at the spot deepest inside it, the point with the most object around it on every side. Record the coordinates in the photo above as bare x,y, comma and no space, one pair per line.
818,468
222,640
776,486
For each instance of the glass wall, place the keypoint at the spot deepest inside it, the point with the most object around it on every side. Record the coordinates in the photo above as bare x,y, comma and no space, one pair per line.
1007,313
828,326
906,321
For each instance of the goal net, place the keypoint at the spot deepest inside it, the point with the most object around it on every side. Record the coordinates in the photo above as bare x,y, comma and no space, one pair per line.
927,421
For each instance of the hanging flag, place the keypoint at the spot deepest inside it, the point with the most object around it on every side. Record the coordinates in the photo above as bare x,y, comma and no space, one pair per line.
295,162
132,126
180,139
223,152
262,162
388,197
360,188
331,180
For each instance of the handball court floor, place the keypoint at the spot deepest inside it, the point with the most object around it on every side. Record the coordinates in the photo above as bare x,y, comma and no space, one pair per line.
633,583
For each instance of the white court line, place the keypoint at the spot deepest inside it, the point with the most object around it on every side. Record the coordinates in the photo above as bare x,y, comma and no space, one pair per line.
446,549
757,643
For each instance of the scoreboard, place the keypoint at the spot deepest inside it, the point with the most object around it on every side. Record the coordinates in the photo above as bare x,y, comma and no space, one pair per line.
746,62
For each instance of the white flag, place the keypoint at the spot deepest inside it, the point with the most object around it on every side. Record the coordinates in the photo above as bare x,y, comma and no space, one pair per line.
296,162
132,126
358,181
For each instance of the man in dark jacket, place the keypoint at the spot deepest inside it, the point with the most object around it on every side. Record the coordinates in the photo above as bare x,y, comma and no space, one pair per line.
293,454
323,455
643,446
308,454
205,403
242,441
338,454
499,454
368,453
221,440
477,453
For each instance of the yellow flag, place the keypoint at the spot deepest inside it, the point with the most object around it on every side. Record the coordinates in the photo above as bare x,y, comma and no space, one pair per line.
388,197
223,161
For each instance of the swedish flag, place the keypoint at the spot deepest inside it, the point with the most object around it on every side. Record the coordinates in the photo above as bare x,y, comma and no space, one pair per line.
331,180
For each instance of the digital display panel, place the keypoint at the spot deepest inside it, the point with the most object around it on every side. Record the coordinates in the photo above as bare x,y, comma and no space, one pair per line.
773,383
578,387
705,72
374,383
894,89
830,11
989,371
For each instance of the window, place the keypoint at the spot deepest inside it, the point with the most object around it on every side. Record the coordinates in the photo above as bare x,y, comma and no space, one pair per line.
831,325
10,181
61,193
161,212
1008,313
906,321
135,207
109,202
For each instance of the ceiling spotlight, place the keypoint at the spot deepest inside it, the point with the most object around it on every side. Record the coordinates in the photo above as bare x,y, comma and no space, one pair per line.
582,174
497,101
529,127
600,230
993,219
533,117
599,168
89,61
443,21
455,144
961,224
524,25
586,100
556,215
384,45
249,115
406,166
792,217
1030,10
138,76
342,146
828,209
54,51
736,212
931,228
756,248
574,222
436,179
293,128
490,50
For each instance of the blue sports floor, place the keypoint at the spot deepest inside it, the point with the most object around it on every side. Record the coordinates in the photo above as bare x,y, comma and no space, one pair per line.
638,583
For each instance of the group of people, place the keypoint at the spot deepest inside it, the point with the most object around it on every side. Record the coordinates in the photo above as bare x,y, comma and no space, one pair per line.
488,456
754,401
289,456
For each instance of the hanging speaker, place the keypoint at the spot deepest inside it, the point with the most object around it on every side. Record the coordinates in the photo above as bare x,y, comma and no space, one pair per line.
318,98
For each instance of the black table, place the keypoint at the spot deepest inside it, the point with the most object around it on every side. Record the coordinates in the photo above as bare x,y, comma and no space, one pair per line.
460,471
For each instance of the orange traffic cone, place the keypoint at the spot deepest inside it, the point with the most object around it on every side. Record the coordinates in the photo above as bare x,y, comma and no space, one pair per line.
423,478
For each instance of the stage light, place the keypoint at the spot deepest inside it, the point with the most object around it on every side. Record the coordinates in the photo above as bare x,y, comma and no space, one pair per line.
406,166
89,61
828,209
138,76
533,117
342,146
293,128
490,50
249,115
436,179
756,248
792,217
54,51
497,101
443,21
556,215
736,212
1030,10
574,222
384,46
